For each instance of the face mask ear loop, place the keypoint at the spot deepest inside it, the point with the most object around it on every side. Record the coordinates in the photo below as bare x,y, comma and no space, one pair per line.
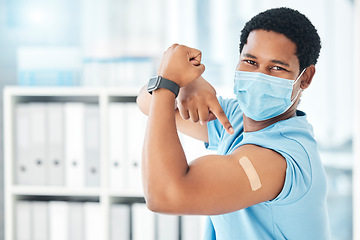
299,76
293,100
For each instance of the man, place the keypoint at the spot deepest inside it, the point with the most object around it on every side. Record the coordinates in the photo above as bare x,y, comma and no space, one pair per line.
267,181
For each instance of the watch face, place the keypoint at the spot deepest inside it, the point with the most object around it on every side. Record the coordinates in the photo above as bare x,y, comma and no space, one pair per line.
153,83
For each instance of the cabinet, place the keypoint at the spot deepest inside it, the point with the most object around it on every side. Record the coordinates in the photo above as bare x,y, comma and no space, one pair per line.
110,141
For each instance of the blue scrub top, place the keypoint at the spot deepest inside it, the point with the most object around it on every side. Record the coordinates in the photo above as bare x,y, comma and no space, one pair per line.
299,211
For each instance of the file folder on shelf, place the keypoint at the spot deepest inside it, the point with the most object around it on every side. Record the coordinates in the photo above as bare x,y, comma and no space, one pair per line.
135,133
76,221
120,222
59,220
167,227
191,227
143,222
23,220
74,145
22,144
55,136
38,158
117,146
40,220
94,227
92,145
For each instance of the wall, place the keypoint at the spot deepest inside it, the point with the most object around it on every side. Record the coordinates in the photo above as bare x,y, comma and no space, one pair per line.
15,32
356,143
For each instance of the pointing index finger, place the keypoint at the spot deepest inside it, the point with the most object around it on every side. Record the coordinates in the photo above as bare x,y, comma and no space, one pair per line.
221,116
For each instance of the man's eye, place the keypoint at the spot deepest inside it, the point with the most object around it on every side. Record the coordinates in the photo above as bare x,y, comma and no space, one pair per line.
250,62
277,68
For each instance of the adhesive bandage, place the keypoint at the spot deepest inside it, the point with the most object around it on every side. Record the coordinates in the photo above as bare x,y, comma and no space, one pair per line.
250,173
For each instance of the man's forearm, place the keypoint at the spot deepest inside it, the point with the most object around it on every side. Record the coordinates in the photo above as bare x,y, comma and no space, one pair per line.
164,161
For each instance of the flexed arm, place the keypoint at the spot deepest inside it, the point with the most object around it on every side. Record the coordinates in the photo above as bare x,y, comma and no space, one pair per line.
196,105
211,184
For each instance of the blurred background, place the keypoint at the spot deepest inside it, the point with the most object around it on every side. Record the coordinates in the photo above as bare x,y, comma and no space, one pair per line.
118,43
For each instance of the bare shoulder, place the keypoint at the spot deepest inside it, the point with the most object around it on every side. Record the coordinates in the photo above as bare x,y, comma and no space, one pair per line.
257,152
268,165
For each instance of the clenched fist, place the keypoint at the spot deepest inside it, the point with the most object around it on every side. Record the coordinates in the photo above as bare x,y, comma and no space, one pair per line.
181,64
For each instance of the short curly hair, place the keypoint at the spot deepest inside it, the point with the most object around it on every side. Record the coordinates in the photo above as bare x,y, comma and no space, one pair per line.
294,25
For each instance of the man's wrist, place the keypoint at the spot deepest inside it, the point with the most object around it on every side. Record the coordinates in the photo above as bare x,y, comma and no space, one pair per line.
165,95
158,82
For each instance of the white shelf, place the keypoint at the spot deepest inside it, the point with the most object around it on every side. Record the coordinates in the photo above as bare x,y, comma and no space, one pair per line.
103,194
125,194
55,191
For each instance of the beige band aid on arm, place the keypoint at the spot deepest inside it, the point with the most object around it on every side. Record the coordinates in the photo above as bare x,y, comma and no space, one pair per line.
250,173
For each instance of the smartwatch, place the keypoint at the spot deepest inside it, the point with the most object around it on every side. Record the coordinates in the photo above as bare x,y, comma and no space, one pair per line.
160,82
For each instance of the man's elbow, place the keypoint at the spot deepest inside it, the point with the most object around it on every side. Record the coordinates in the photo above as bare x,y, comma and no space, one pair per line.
143,100
165,201
153,205
141,105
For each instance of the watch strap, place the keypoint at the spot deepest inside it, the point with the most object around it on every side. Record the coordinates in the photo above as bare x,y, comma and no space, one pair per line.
167,84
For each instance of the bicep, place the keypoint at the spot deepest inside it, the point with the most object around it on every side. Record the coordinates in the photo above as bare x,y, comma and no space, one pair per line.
220,184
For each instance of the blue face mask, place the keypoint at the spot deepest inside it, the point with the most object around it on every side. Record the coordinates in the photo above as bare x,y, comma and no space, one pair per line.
262,96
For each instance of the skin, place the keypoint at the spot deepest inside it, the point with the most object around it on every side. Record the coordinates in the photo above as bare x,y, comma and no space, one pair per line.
196,104
213,184
274,56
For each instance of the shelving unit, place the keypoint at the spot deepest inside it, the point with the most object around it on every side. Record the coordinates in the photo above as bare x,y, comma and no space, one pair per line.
105,195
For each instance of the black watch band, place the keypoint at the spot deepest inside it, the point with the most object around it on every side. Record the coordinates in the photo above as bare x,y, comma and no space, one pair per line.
160,82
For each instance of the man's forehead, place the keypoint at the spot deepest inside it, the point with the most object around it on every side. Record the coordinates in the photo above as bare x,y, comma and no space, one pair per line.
270,45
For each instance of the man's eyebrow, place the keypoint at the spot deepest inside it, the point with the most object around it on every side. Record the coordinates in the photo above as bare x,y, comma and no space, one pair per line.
273,61
249,55
280,62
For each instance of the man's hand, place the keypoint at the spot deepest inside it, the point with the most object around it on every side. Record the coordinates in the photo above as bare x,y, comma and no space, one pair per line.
197,101
181,64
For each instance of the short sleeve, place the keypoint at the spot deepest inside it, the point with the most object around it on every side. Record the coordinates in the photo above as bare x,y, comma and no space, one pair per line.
297,179
216,131
209,233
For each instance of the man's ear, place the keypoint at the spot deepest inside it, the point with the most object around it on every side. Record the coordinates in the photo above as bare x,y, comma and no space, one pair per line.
307,77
